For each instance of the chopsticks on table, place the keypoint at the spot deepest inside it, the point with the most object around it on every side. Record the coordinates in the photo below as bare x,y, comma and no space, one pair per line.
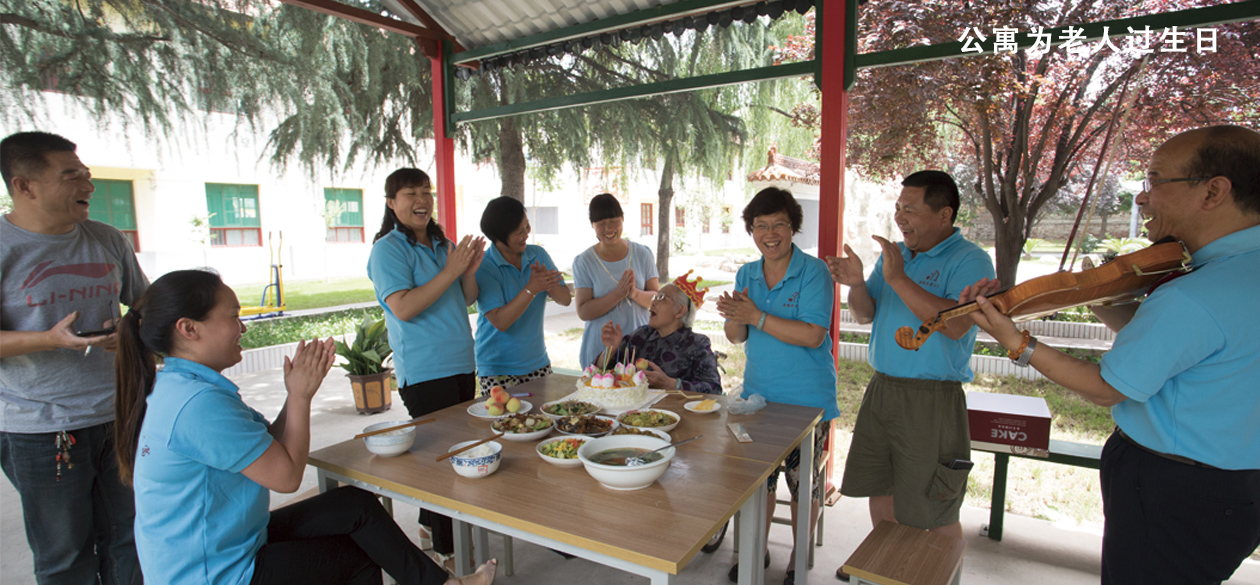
413,423
687,396
467,447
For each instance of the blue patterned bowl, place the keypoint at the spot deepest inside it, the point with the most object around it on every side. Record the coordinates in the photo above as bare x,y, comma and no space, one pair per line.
477,466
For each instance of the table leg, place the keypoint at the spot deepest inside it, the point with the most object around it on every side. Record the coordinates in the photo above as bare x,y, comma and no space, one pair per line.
463,537
752,533
804,492
997,505
481,550
324,482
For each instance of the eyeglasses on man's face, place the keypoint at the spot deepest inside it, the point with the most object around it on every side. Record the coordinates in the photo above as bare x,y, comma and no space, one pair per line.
1148,182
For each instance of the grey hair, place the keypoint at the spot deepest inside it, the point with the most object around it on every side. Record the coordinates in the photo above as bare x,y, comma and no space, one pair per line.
681,299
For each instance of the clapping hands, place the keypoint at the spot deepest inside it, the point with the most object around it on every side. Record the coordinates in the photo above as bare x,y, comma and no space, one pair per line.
467,255
738,307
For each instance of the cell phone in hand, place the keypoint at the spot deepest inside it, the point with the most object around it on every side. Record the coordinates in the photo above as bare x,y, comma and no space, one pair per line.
97,333
961,464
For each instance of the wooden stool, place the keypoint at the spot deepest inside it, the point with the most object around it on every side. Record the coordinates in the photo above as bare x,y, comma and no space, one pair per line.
893,554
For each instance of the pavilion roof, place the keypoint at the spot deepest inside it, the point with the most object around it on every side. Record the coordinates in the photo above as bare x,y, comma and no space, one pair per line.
781,167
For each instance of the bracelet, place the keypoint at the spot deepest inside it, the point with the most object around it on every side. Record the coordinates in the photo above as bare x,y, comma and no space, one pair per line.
677,383
1016,354
762,321
531,294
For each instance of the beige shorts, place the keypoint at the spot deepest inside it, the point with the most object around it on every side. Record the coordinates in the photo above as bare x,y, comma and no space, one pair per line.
907,433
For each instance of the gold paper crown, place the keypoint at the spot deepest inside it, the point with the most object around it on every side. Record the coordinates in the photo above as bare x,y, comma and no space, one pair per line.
689,289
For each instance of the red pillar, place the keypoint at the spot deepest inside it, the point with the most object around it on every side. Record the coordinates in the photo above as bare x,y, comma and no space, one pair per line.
444,149
835,131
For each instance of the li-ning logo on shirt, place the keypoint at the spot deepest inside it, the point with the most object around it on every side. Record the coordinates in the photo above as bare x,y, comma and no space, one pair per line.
144,451
930,280
42,272
793,300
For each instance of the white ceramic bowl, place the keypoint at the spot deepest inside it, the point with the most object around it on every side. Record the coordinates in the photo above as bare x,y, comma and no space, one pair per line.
612,424
391,443
691,407
575,462
546,405
665,428
476,467
526,437
620,477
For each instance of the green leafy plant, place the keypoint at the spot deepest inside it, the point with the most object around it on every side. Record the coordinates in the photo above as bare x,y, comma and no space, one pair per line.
1123,245
370,348
1031,244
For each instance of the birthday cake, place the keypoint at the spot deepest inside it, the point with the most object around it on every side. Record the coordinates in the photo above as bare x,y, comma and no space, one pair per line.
622,386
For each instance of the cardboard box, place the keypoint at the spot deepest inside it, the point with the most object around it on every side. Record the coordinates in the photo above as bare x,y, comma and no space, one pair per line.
1014,424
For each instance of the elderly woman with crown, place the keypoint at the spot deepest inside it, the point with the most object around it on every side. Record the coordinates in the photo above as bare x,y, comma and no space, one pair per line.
676,357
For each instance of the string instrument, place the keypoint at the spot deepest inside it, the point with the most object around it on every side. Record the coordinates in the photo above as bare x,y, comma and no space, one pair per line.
1123,278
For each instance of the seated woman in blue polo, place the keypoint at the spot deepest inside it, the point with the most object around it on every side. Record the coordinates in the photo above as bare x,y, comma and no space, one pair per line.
202,461
678,357
513,283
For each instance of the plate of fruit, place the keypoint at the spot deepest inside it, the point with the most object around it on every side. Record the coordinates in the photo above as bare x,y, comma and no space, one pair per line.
522,427
563,408
498,404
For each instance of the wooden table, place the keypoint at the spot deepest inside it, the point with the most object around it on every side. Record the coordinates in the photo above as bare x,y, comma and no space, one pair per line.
652,532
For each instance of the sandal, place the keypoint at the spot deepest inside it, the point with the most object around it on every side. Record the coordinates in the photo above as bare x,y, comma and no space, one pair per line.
426,538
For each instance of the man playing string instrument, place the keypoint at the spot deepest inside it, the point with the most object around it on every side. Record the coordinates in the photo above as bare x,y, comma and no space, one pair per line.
1181,473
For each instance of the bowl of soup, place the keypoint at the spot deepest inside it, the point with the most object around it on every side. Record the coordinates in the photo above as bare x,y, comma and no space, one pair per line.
605,460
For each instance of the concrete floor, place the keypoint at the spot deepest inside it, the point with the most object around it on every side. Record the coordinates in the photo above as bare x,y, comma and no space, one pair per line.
1033,551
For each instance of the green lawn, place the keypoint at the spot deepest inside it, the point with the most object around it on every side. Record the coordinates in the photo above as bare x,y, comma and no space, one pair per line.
313,294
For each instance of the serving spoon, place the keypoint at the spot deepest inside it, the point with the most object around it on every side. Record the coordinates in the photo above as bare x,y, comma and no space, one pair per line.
637,460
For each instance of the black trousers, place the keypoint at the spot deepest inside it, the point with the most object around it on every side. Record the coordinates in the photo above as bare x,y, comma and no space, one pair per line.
1171,522
343,536
421,399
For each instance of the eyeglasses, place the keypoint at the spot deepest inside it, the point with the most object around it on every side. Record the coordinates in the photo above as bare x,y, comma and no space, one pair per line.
1149,182
660,296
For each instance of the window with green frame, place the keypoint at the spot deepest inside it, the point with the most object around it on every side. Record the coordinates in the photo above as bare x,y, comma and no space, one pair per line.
347,225
234,216
114,203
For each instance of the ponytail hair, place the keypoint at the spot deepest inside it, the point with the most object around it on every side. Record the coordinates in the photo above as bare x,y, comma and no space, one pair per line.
395,182
148,331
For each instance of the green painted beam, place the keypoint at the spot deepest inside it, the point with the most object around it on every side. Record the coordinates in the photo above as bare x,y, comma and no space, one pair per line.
1183,19
603,25
802,69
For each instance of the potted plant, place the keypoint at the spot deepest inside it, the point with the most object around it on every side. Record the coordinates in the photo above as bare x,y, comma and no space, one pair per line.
370,380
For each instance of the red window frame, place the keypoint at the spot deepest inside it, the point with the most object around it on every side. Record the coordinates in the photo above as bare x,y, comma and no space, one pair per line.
645,219
218,237
344,235
680,217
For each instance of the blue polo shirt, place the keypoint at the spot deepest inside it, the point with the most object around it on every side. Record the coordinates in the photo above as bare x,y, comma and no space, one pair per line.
779,371
521,349
438,342
943,271
1190,358
198,519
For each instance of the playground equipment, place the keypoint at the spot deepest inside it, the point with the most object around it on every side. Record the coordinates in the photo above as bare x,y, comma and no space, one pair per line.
275,287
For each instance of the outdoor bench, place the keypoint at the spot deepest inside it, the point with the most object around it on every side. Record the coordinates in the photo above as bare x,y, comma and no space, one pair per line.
1061,452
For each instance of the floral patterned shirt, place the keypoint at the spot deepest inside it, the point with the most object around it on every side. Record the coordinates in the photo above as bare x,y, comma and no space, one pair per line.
684,355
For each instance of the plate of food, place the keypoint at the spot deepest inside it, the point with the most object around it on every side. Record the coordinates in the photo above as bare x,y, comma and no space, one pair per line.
706,406
625,430
650,418
561,451
588,425
563,408
522,427
480,410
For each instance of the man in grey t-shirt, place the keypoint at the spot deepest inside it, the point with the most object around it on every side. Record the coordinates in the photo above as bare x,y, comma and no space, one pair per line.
62,277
